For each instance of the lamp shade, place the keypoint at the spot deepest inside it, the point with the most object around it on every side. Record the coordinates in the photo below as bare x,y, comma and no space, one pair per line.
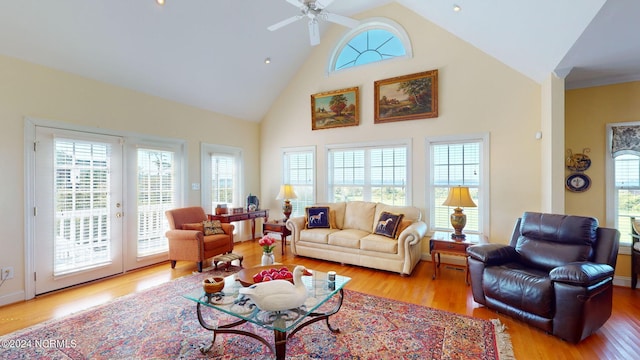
286,193
459,197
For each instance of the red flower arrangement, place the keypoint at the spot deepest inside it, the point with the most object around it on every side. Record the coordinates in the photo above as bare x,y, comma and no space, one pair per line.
267,243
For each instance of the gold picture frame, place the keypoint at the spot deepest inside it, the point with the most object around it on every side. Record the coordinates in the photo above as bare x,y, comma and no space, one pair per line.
406,97
337,108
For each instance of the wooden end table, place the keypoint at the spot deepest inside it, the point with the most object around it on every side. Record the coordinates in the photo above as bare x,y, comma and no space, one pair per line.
245,216
277,226
442,243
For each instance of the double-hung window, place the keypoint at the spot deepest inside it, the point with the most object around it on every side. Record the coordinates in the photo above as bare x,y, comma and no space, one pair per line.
370,172
299,170
458,161
623,176
221,177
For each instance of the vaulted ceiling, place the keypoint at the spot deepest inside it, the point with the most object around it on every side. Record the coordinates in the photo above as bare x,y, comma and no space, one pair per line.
210,54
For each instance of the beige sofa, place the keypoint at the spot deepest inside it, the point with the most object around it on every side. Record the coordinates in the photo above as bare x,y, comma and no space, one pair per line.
352,238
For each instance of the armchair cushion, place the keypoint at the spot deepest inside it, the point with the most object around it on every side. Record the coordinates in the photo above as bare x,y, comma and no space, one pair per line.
547,241
212,227
520,287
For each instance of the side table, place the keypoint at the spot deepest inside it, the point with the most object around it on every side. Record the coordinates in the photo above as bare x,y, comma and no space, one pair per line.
442,243
277,226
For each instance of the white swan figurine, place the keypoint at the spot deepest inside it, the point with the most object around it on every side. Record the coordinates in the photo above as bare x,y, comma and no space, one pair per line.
278,295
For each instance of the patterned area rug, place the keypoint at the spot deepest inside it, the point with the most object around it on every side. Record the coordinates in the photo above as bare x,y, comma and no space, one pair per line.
161,324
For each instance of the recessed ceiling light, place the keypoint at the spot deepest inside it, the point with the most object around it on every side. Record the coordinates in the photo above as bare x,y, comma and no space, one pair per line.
267,60
160,2
456,8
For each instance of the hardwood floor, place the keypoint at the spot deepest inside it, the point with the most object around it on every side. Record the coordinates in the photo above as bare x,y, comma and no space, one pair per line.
617,339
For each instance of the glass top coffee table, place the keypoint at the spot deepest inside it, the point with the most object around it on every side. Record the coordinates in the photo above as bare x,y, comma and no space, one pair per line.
283,323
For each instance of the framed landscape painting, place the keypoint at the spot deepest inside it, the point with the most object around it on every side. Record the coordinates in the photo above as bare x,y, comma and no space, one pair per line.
406,97
336,108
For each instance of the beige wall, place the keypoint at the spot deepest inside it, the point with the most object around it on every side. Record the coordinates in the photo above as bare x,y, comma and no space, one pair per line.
587,113
28,90
477,94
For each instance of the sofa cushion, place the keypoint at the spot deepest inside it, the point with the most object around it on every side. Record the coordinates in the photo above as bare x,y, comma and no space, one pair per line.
318,236
379,243
387,224
318,217
212,227
336,215
359,215
193,226
349,238
410,212
405,223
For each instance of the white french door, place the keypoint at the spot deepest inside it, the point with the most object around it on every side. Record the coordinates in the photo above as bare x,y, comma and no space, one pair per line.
78,232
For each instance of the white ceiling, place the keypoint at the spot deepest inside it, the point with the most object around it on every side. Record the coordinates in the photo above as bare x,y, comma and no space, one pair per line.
210,53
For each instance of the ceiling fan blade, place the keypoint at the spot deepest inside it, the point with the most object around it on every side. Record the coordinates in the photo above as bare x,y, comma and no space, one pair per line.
296,3
323,4
284,22
314,32
342,20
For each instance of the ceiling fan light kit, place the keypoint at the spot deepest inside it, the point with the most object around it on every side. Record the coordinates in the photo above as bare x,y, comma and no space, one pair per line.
314,11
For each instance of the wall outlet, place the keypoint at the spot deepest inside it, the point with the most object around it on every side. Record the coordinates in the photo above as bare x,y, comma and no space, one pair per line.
7,273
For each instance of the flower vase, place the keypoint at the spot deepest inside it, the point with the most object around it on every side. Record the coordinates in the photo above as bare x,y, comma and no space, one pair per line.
268,258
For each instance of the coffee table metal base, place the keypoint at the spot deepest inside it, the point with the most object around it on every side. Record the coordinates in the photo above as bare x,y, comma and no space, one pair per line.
280,337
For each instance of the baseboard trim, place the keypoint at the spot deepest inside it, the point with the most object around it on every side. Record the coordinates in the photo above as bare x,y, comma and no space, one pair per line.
12,298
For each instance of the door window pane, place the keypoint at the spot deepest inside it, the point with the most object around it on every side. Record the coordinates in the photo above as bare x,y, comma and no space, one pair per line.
156,194
82,184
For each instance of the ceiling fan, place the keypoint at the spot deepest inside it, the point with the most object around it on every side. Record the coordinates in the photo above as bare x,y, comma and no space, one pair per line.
314,11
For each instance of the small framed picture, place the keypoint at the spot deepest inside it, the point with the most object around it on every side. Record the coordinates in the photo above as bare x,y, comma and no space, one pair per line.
406,97
336,108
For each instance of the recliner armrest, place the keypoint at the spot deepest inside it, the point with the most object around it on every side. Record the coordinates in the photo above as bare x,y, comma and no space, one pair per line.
493,254
581,273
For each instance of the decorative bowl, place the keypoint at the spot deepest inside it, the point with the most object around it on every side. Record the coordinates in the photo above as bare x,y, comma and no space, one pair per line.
245,276
213,284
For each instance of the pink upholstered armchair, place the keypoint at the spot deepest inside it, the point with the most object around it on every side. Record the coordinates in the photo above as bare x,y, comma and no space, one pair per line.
187,240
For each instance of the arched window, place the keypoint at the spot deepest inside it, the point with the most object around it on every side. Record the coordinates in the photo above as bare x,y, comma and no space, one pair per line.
374,40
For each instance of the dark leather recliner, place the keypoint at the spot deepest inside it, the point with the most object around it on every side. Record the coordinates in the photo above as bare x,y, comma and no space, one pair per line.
556,274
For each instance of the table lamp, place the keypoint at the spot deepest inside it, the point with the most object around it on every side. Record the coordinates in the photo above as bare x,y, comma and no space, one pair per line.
286,193
459,197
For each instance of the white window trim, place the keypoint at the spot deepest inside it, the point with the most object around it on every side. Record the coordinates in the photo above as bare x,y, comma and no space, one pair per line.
610,184
371,144
205,189
368,24
484,190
